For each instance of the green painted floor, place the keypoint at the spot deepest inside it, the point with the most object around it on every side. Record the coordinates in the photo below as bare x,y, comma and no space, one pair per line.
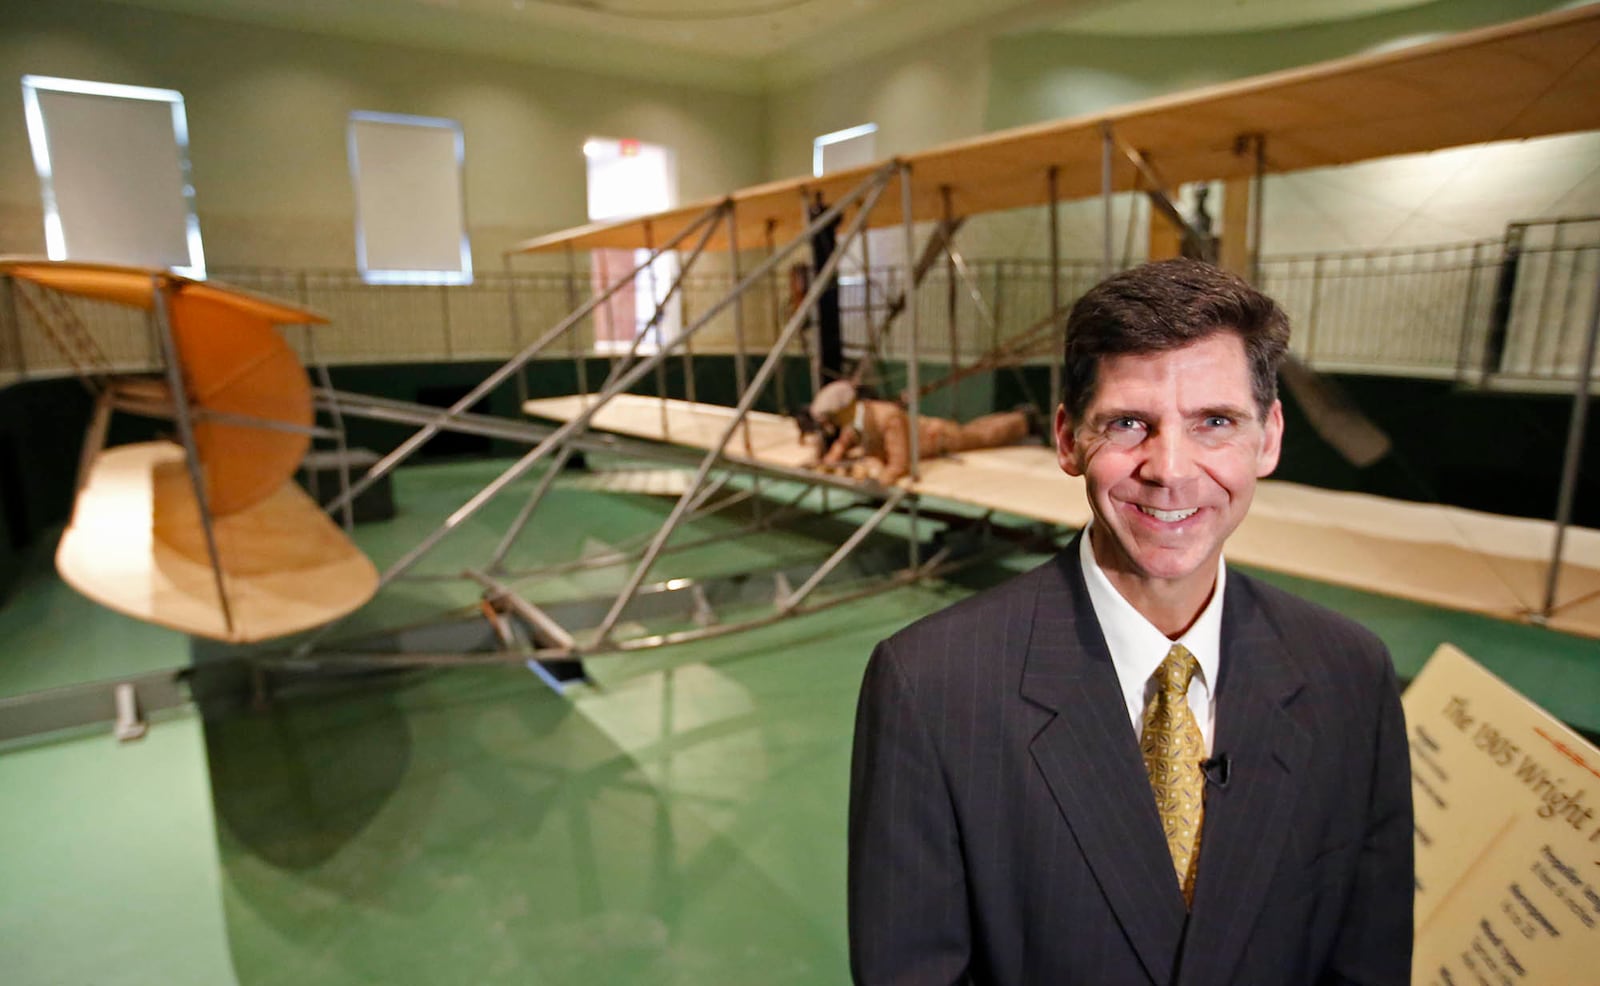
110,870
680,821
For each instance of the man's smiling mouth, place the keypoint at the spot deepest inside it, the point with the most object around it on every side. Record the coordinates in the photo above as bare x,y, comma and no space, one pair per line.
1168,516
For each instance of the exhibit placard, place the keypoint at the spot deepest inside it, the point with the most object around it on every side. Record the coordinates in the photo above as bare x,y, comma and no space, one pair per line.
1508,842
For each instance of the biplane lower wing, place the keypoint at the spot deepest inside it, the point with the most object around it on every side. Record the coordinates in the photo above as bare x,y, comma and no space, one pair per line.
1445,556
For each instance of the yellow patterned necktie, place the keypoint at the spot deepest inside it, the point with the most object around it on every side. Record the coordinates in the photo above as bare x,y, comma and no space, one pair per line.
1173,750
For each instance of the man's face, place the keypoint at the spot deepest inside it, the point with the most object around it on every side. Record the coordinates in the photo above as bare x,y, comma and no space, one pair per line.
1170,449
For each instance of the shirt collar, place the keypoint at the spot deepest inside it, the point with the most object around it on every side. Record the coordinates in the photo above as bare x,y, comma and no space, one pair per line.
1137,647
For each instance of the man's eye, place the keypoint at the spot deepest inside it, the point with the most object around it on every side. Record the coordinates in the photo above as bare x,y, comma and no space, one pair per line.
1124,432
1218,421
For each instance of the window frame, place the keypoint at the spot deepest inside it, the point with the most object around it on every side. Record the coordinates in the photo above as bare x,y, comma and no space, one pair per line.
393,275
56,247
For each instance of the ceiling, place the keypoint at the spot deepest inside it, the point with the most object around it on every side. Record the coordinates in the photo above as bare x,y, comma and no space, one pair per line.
1150,17
741,44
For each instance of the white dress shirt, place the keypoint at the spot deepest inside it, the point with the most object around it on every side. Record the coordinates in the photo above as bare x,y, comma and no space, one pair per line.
1138,648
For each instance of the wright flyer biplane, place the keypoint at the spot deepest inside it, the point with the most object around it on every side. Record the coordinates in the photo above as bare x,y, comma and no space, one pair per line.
202,526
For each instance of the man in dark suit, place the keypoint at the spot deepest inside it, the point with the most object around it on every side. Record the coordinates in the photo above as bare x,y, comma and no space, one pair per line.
1132,764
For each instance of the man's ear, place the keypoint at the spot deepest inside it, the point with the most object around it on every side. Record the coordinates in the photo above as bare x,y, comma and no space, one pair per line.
1066,443
1271,441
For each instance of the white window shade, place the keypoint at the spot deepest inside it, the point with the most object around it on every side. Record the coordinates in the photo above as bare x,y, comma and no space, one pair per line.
844,149
410,208
113,168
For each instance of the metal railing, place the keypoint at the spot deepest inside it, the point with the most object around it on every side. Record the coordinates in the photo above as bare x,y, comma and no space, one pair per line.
1508,313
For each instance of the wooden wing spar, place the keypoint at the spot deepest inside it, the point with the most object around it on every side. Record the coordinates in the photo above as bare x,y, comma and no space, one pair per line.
1531,78
254,558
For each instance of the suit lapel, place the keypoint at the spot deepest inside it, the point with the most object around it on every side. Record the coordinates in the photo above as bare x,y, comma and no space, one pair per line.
1247,821
1090,760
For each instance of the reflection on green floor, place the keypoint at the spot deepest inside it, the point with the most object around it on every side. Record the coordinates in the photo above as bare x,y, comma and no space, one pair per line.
682,820
677,823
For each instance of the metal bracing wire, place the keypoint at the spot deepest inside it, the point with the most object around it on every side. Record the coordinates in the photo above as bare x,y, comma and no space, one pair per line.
563,433
843,551
404,451
874,187
191,453
347,516
528,506
896,306
620,366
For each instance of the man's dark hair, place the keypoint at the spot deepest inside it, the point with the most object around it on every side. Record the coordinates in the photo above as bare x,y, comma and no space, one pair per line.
1167,305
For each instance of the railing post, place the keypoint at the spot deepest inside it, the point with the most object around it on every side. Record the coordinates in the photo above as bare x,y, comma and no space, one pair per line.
657,317
1106,145
1257,210
913,374
341,447
1569,299
741,366
814,350
1544,297
1058,332
579,351
689,392
16,327
1316,305
444,320
1468,305
775,304
950,273
516,328
1574,453
997,292
866,303
1504,297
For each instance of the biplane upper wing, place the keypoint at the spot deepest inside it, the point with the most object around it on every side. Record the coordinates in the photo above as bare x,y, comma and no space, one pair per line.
1530,78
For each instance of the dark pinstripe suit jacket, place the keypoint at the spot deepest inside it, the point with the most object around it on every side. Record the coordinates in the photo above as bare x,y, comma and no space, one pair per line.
1002,829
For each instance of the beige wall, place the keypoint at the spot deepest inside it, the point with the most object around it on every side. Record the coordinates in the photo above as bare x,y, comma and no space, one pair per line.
267,112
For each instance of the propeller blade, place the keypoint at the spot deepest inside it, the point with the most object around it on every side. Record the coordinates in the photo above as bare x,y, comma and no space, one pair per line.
1334,416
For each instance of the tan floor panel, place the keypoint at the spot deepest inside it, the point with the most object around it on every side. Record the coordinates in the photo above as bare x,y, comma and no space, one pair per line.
773,438
1446,556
